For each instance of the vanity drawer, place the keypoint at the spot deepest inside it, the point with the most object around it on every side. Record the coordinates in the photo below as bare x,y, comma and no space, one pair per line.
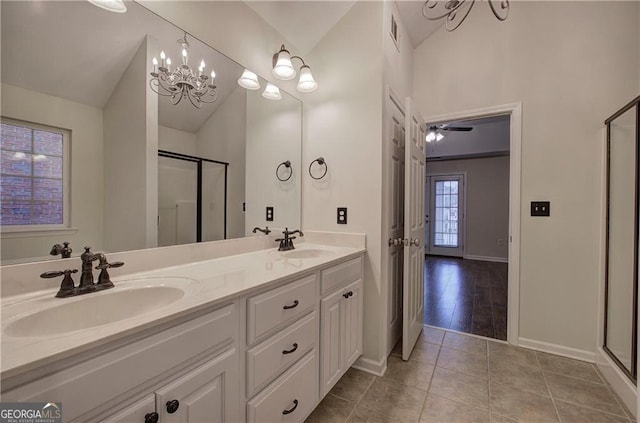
341,274
268,359
295,391
273,308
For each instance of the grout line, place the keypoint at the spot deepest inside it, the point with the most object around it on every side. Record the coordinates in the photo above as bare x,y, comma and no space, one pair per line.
576,378
544,377
594,409
360,399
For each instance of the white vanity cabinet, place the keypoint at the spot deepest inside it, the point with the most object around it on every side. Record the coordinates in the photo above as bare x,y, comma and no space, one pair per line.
341,326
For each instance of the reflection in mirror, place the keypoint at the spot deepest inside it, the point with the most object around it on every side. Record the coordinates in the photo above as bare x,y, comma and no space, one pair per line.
86,73
622,240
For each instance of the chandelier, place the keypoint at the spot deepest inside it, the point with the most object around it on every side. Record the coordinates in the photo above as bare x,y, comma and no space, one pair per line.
456,11
183,81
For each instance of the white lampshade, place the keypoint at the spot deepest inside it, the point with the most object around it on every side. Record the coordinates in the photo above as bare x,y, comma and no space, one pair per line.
283,69
271,92
439,136
306,83
249,80
110,5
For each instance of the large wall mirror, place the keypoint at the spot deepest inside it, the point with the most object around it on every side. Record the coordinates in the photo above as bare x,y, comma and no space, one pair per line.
93,156
621,279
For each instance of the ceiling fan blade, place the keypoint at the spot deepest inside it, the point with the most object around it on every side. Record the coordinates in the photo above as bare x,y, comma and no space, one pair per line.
458,128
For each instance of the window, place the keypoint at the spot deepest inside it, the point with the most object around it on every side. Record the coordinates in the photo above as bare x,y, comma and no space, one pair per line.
446,207
34,176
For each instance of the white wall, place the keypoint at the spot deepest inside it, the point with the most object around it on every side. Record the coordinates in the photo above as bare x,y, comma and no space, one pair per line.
487,203
343,125
223,137
85,124
131,159
176,141
273,136
569,78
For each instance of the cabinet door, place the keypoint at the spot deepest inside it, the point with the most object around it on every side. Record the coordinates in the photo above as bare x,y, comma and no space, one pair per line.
207,394
331,341
135,413
352,324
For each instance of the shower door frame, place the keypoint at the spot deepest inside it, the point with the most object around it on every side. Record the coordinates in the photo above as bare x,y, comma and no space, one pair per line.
199,161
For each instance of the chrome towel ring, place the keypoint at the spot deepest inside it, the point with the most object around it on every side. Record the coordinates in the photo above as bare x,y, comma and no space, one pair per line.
321,161
287,165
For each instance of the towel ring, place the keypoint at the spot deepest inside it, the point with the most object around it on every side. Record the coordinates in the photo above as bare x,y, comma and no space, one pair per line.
286,164
321,162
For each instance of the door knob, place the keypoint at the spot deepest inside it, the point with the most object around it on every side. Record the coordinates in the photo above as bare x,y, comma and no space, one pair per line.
395,241
415,242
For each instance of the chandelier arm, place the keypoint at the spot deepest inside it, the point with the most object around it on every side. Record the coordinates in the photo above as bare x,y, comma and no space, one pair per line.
299,58
159,88
451,19
504,5
432,4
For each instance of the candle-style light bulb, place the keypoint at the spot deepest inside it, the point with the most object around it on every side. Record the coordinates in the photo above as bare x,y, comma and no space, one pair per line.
155,64
168,63
213,74
185,56
163,57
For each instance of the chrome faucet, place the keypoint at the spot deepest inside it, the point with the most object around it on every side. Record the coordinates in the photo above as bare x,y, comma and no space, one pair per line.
286,243
265,231
68,288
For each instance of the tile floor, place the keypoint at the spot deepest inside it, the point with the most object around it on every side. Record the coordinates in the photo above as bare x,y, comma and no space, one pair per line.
466,295
456,378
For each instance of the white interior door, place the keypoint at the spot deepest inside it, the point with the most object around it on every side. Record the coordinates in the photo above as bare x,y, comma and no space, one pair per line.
427,216
414,217
446,236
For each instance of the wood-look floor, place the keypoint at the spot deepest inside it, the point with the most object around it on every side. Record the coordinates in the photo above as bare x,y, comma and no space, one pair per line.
466,295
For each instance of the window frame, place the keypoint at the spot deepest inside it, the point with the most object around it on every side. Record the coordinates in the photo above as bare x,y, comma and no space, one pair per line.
47,229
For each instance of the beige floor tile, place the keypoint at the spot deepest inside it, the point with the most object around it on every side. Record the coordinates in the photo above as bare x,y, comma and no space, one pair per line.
467,389
509,353
570,413
352,385
395,400
438,409
465,343
568,367
410,373
577,391
462,362
425,352
495,418
521,376
363,415
521,405
331,410
432,335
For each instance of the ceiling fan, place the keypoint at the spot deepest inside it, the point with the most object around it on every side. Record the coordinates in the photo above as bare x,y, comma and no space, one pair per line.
434,131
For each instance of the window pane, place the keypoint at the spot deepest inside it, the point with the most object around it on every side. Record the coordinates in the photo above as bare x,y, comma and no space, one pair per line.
446,200
50,167
15,138
439,187
15,188
454,187
47,189
47,143
16,163
47,213
15,213
438,200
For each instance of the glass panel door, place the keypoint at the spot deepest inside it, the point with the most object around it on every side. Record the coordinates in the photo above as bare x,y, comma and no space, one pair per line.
447,215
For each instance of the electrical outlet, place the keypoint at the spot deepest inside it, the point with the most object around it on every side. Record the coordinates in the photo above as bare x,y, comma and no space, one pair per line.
501,242
342,215
540,208
269,216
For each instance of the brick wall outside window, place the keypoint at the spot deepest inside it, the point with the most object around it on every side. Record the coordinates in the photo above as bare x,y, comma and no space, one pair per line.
31,175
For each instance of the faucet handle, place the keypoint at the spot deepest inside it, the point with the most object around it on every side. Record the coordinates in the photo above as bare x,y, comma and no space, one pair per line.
52,274
106,265
67,286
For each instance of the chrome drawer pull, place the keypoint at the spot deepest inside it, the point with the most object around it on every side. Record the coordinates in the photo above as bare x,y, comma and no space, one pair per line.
292,409
295,347
294,305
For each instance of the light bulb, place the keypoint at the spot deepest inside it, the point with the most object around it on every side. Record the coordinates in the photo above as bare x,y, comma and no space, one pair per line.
431,136
213,74
439,136
249,80
162,55
155,62
306,83
202,64
283,69
168,61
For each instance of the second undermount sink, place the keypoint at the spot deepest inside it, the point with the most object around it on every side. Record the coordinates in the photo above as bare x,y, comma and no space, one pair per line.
307,253
126,300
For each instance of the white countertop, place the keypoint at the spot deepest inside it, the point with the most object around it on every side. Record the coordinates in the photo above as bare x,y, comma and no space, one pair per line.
212,282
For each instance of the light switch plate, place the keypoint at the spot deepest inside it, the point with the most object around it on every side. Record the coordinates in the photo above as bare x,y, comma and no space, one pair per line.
269,216
540,208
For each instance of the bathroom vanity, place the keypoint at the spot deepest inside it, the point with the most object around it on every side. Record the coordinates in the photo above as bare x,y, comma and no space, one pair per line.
259,336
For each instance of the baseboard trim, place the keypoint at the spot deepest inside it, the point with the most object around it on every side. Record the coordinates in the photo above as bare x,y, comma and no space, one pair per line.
371,366
562,350
622,386
486,258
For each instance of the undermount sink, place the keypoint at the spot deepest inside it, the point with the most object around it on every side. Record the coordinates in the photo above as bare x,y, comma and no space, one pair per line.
128,299
307,253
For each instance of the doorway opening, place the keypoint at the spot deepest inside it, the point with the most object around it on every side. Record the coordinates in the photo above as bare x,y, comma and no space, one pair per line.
467,225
